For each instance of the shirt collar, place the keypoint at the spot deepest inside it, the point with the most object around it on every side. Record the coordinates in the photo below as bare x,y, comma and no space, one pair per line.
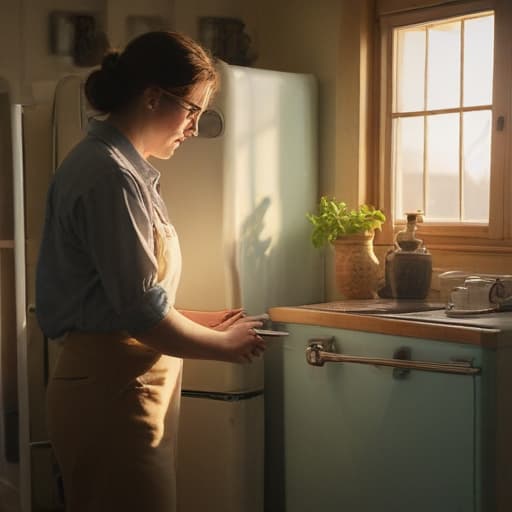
109,134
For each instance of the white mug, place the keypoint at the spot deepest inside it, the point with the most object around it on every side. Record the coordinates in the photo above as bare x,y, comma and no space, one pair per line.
459,297
478,292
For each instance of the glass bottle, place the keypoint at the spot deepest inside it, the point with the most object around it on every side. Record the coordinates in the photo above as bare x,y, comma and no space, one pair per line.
409,265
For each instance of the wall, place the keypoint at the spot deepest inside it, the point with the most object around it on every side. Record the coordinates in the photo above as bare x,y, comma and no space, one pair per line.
118,12
302,37
186,13
24,48
10,44
25,60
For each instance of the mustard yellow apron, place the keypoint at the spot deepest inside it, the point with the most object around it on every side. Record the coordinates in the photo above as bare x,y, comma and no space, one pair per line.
113,408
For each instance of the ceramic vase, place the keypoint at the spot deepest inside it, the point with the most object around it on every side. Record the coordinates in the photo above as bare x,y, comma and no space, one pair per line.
357,267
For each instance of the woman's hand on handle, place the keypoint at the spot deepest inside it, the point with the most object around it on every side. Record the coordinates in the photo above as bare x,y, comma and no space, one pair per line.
242,343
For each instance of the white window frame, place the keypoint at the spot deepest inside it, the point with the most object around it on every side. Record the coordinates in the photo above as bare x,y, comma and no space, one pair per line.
497,235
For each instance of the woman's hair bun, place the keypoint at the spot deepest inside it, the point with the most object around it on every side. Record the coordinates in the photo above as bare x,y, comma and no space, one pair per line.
102,87
110,62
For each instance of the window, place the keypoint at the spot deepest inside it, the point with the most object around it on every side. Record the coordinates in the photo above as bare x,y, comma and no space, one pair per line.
443,135
441,116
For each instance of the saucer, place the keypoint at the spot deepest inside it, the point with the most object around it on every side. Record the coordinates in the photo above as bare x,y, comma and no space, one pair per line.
457,312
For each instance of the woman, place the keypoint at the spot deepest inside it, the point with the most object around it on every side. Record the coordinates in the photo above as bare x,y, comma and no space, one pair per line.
107,274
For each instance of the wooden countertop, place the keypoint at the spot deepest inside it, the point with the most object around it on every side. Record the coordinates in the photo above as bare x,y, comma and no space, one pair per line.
484,336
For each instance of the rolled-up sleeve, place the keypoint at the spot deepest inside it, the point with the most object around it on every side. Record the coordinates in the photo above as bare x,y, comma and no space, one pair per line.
116,229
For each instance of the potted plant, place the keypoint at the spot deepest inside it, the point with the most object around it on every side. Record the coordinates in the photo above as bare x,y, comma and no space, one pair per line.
351,231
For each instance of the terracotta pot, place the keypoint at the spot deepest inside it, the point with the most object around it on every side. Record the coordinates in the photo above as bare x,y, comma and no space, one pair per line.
357,267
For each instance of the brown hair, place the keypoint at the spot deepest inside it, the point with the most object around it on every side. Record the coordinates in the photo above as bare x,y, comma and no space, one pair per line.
169,60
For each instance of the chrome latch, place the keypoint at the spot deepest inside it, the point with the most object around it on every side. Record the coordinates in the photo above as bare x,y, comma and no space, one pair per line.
402,353
316,346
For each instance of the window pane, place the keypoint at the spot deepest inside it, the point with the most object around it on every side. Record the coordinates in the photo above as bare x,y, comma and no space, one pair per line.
476,152
408,164
443,167
443,66
478,60
410,70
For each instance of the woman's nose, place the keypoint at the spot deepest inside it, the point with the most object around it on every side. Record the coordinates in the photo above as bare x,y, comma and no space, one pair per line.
193,127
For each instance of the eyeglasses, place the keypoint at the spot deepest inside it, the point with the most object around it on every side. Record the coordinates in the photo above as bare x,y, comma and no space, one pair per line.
194,111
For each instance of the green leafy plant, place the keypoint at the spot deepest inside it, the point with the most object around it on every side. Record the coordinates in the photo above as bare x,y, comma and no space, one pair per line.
335,220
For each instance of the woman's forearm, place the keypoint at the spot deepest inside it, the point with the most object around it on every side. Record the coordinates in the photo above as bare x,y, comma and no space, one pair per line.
206,318
176,335
219,320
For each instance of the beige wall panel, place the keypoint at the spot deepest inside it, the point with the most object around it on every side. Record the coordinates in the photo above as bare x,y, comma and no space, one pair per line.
303,37
38,63
186,13
10,44
6,197
118,12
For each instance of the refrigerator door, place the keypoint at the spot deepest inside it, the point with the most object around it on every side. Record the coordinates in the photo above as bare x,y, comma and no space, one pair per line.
238,202
270,172
220,462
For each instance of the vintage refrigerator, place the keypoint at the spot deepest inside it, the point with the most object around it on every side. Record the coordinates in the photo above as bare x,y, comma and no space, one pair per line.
237,195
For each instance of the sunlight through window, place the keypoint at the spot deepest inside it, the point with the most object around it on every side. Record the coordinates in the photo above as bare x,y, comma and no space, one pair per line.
441,118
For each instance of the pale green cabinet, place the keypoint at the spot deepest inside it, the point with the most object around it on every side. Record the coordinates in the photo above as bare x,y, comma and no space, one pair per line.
360,438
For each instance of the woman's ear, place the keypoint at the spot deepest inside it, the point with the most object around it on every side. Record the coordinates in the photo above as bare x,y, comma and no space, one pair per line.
151,98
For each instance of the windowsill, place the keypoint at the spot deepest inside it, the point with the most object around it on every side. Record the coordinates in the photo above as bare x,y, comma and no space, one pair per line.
454,238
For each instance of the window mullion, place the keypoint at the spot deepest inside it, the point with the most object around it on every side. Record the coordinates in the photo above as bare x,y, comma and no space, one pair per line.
440,111
461,123
425,136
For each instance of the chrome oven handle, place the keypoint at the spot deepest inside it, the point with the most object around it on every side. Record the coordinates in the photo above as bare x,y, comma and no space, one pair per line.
320,351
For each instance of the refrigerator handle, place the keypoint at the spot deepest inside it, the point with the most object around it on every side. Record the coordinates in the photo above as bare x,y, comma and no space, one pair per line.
321,350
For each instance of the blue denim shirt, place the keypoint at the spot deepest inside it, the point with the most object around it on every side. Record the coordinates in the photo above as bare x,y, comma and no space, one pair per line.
97,269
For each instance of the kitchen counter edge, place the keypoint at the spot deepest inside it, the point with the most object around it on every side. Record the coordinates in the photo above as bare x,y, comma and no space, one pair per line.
485,337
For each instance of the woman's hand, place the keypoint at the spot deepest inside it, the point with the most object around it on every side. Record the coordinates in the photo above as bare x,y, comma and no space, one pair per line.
238,316
227,319
242,343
